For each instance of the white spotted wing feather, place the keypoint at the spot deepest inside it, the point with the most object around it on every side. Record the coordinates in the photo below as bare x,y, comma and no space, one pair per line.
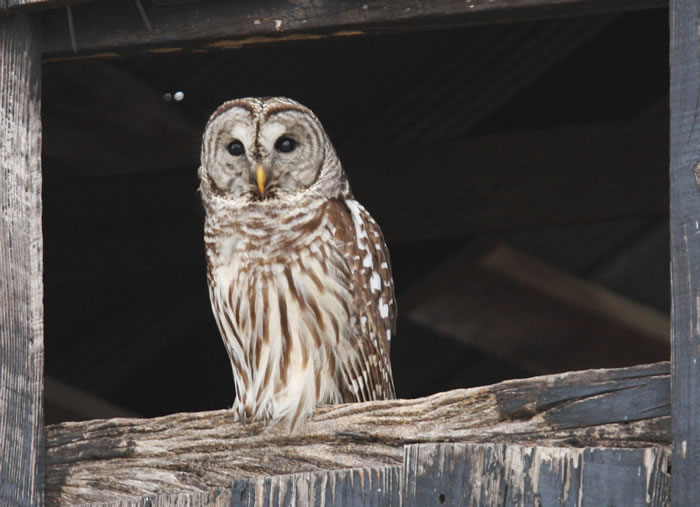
368,373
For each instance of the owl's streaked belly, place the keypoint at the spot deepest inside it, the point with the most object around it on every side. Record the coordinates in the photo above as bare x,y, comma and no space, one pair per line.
284,314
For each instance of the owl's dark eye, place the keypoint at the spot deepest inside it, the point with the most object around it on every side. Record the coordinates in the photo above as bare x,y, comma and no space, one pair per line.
236,148
285,144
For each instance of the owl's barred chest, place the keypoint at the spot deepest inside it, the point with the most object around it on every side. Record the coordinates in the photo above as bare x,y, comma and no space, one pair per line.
266,238
285,297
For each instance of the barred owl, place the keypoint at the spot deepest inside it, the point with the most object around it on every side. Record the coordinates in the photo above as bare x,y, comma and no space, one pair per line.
299,275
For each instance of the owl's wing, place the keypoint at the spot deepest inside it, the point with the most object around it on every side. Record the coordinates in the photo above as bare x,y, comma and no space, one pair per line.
368,373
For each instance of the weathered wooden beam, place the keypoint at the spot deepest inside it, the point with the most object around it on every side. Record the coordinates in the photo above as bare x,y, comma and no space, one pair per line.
119,459
685,248
359,486
21,288
13,4
107,28
498,474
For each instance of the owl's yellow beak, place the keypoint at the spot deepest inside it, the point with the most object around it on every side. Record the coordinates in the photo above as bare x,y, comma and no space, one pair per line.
261,177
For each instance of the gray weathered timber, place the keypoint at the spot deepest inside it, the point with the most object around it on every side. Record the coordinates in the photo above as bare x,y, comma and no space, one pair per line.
21,289
13,4
214,497
685,249
499,474
367,486
110,27
122,459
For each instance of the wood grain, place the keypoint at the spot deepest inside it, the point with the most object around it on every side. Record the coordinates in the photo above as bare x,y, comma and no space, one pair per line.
21,289
121,459
364,486
498,474
685,249
110,28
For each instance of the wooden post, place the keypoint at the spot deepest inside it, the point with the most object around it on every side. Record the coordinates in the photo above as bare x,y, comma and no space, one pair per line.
499,474
21,289
685,250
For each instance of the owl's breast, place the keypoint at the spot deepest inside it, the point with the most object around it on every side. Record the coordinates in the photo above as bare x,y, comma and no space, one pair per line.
284,306
267,235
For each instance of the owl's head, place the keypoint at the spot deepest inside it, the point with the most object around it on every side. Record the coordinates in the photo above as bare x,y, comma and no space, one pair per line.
267,150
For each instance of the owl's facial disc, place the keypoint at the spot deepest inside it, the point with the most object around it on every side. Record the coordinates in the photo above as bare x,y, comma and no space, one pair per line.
264,153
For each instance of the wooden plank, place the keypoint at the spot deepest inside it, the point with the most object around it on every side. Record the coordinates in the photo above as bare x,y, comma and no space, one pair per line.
214,497
517,308
510,475
39,5
685,249
365,486
107,28
110,460
21,289
13,4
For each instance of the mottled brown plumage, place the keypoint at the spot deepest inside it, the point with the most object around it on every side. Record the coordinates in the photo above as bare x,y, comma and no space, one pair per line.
299,274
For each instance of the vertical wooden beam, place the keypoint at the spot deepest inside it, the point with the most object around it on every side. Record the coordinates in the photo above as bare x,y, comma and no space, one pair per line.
501,474
685,250
21,288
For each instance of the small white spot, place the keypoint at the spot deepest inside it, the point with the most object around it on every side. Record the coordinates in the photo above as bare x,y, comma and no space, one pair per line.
684,448
384,265
256,22
383,309
178,96
375,282
367,261
363,320
388,335
278,25
356,212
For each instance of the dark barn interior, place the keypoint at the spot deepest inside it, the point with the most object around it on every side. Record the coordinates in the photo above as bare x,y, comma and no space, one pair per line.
519,173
